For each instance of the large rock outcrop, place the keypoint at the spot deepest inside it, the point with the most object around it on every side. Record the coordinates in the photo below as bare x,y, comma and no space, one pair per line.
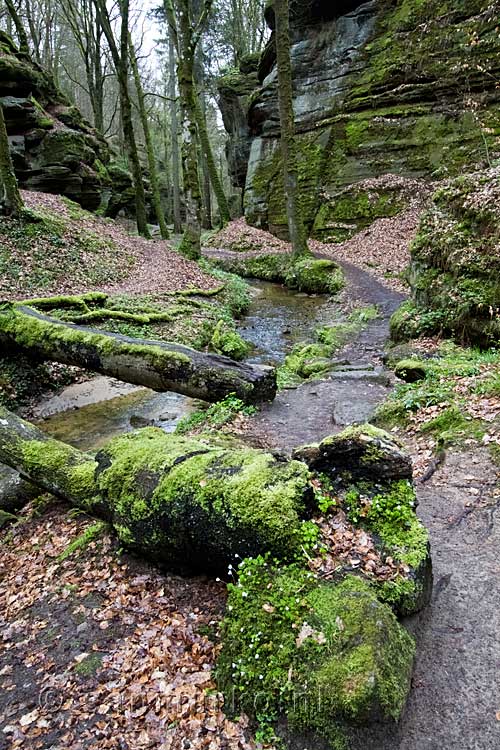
455,264
381,87
54,149
235,89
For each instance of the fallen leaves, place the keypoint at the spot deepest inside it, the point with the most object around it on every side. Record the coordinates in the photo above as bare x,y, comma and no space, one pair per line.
93,253
143,681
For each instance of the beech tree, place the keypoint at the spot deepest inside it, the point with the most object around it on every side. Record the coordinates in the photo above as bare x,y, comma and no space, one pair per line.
120,55
153,171
174,131
296,227
11,203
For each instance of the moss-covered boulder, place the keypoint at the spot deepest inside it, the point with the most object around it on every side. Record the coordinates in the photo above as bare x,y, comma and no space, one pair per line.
53,148
410,370
362,451
315,276
194,504
309,274
324,655
455,264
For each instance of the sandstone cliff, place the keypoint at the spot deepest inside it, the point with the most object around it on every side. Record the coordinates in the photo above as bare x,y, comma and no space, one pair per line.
54,150
381,87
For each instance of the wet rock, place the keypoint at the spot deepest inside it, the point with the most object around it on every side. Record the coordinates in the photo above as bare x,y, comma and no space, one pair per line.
364,451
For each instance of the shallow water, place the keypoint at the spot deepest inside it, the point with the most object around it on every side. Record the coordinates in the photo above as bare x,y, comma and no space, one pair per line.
86,415
279,318
118,408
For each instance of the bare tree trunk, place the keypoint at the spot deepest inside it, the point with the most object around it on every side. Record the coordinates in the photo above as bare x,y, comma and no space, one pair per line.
120,60
296,227
174,126
153,172
10,199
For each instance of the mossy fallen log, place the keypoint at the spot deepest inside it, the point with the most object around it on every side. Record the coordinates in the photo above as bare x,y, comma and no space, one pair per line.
328,655
154,364
184,502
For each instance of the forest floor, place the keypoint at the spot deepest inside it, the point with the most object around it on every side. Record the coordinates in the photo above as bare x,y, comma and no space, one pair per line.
101,650
72,251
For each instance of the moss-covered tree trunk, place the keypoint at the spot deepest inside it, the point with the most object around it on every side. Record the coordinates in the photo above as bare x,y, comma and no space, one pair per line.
153,171
120,60
10,199
154,364
296,227
20,30
174,130
189,503
180,24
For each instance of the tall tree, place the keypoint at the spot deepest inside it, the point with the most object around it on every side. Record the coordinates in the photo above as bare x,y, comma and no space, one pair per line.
83,23
186,38
18,24
153,171
174,129
296,227
10,199
120,57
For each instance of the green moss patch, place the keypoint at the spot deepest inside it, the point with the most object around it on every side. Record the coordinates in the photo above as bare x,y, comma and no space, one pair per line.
314,360
307,274
325,655
456,378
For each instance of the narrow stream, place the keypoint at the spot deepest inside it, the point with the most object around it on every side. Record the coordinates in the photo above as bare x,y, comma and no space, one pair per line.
87,414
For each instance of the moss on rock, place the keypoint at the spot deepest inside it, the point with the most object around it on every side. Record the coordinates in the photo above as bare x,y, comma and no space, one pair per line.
315,276
226,340
324,655
455,265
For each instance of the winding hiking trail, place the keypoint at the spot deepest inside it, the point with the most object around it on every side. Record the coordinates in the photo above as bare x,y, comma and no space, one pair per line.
350,393
455,699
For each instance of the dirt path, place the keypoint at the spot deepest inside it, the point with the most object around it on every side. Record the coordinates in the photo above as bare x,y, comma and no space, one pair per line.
351,392
455,699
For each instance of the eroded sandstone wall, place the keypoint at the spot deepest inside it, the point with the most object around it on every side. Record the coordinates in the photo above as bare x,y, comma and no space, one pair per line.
404,87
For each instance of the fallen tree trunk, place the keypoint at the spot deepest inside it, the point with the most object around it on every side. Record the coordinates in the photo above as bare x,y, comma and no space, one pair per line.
15,492
184,502
154,364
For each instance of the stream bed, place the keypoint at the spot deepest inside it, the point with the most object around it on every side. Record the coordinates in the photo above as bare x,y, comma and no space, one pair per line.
88,414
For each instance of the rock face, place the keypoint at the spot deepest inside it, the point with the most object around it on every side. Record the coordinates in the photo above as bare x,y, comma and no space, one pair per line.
455,264
382,87
54,150
235,89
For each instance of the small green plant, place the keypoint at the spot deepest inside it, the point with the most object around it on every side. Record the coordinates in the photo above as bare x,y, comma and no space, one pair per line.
89,665
215,416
